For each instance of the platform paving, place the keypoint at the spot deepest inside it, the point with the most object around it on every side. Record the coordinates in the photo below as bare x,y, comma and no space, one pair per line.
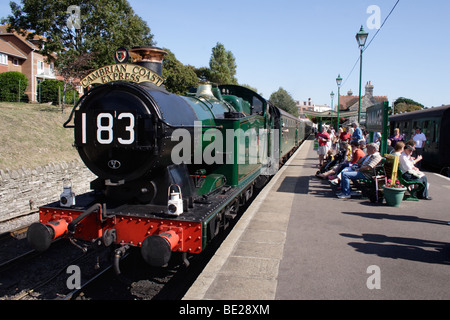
298,241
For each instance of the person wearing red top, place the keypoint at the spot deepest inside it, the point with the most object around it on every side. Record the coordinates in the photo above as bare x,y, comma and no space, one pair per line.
357,152
345,135
323,138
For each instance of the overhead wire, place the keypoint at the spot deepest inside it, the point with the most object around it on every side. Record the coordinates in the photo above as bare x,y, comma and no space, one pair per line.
367,46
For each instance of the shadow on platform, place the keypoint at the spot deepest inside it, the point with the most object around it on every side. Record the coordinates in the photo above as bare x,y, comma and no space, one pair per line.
402,248
397,217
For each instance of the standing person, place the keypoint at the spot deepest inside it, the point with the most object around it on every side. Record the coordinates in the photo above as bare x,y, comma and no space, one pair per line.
323,138
357,132
345,135
330,142
396,137
420,139
411,172
377,137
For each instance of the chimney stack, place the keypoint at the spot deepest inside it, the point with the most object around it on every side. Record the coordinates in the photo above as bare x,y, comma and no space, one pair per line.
149,57
369,90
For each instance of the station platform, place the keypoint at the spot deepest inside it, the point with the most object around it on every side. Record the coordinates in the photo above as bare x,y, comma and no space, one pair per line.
298,241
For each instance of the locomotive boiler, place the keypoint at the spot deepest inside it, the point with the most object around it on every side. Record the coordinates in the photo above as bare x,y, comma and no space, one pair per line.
171,170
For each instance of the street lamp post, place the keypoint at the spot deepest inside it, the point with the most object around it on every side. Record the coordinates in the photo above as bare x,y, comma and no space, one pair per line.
338,82
361,38
331,113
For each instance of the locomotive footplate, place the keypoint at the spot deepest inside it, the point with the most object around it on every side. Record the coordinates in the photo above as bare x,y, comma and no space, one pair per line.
131,224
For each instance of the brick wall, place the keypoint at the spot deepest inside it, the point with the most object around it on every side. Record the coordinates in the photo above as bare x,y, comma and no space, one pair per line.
23,191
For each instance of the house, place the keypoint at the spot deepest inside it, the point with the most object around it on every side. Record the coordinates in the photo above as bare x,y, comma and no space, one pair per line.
346,101
17,53
304,106
367,100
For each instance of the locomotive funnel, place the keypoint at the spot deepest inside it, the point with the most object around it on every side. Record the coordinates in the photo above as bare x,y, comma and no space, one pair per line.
149,57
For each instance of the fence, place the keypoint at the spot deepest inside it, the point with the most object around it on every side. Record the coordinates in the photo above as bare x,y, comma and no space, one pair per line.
12,90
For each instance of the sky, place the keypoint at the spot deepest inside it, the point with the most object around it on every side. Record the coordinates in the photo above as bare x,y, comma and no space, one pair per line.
302,45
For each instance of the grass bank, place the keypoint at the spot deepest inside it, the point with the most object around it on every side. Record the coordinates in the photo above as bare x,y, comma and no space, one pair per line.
32,135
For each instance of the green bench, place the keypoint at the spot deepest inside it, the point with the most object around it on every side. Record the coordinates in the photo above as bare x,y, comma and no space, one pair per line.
370,188
412,186
386,169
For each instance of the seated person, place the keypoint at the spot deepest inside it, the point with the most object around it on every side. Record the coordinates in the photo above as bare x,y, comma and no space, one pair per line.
410,172
360,172
399,146
411,142
354,152
328,159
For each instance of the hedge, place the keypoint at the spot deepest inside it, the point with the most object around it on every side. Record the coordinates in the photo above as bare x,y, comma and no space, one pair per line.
12,86
48,92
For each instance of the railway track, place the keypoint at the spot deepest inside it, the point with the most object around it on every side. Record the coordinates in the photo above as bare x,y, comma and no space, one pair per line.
44,276
28,275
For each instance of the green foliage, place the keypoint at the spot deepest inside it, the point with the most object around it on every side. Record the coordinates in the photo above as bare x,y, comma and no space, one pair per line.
12,86
203,73
222,66
283,100
179,78
406,105
48,92
105,26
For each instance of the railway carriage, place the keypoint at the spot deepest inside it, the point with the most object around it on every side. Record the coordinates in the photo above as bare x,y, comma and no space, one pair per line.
172,171
435,124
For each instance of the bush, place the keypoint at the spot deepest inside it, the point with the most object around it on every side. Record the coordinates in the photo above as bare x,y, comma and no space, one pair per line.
48,92
12,86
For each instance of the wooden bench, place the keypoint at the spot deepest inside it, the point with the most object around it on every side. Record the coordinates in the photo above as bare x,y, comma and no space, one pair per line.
370,188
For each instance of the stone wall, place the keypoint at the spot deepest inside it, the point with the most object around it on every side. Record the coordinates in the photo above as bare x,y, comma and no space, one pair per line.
23,191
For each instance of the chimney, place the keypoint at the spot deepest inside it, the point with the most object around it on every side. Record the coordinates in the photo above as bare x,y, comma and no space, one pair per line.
149,57
369,90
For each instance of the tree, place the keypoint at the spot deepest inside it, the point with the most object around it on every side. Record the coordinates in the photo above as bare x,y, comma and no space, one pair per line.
203,73
179,78
105,25
406,105
283,100
222,66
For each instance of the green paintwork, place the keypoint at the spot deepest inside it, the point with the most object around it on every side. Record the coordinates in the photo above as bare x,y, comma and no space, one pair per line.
211,182
241,138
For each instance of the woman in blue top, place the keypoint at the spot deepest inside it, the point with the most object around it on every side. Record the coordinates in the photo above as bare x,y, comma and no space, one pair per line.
357,133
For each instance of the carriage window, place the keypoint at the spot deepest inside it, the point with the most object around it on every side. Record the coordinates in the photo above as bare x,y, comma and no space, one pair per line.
435,131
425,128
429,133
